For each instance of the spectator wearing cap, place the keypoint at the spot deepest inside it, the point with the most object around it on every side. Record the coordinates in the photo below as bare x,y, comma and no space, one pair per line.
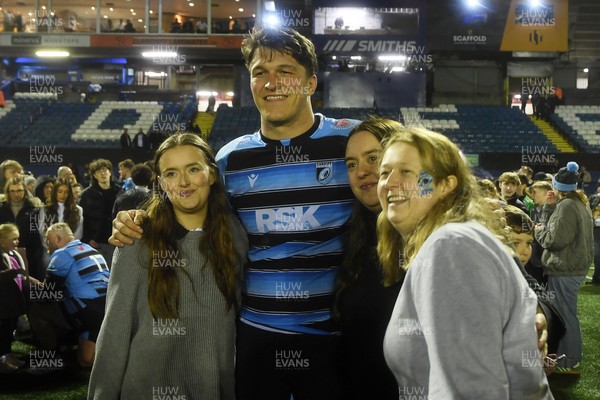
542,176
566,235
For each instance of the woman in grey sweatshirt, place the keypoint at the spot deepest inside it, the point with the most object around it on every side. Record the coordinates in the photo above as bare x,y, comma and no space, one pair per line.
462,324
172,297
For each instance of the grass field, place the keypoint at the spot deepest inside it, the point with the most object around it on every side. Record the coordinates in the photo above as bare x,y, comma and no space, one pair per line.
70,383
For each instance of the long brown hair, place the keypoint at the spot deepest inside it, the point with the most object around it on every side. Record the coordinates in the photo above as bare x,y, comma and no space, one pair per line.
361,235
216,244
574,195
71,214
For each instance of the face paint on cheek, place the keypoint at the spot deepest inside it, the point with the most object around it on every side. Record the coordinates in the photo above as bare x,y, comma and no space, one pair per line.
425,184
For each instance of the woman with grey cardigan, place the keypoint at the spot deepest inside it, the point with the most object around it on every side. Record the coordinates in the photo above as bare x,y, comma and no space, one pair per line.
566,235
172,297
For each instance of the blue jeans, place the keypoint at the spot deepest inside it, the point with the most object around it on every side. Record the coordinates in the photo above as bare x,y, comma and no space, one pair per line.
565,290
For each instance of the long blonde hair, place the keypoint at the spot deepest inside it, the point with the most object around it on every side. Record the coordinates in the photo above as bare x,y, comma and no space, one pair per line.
441,158
576,194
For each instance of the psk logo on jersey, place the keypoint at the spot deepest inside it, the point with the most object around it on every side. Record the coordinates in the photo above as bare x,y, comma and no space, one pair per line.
287,219
342,123
324,172
252,179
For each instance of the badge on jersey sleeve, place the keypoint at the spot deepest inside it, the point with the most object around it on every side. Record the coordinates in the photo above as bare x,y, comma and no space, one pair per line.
324,172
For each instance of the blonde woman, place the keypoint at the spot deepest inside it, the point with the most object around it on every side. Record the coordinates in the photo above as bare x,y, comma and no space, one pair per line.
462,326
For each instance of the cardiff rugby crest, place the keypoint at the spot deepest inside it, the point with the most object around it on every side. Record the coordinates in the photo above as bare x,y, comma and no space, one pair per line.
324,172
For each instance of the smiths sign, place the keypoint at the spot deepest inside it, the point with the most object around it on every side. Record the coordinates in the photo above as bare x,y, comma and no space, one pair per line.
369,46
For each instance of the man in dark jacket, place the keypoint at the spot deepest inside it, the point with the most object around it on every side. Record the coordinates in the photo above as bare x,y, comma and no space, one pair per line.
125,139
140,140
97,201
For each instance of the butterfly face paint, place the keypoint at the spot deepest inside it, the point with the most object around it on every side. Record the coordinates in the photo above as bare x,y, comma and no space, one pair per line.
425,184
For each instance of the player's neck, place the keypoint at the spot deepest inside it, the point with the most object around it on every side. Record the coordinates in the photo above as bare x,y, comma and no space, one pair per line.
288,130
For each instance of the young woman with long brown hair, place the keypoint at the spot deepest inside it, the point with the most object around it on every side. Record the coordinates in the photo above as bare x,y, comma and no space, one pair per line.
60,207
172,297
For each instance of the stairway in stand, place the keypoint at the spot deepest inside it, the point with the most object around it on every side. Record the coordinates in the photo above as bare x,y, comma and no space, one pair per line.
205,121
554,136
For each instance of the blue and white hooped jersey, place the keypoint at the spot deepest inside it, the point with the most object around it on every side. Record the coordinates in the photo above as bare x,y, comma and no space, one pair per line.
82,270
294,200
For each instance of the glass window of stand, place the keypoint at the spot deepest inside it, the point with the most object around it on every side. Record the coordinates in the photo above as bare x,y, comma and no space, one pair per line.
126,16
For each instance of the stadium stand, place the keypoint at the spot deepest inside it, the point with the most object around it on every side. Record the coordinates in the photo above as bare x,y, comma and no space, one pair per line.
480,129
581,124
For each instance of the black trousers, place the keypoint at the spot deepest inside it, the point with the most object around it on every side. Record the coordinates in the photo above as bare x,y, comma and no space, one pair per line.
274,366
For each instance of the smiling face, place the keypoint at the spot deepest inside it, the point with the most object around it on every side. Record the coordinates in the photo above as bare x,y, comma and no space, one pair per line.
362,157
281,88
406,192
186,179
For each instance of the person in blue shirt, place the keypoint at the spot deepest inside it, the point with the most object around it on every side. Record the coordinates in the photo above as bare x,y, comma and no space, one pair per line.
82,274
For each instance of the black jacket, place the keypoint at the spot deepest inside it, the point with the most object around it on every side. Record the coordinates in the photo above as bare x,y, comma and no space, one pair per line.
97,205
29,237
